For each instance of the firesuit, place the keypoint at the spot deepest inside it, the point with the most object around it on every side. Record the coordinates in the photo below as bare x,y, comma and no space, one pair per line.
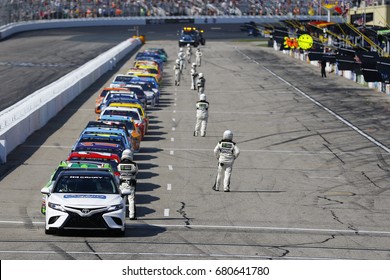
194,74
202,115
128,170
201,83
198,57
226,152
176,68
188,53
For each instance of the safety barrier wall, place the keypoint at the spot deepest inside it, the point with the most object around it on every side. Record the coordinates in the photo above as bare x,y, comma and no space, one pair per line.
30,114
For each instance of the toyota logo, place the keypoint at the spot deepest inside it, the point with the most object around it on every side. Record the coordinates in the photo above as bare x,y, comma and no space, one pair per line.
85,211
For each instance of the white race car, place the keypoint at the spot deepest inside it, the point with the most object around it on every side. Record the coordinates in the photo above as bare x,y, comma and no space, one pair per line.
87,200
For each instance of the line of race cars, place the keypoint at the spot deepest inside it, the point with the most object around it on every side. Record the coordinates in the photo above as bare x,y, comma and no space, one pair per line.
84,190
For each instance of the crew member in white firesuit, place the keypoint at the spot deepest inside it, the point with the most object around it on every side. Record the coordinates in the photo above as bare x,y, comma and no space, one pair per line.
198,57
194,74
189,53
226,152
176,68
128,170
202,115
201,83
181,56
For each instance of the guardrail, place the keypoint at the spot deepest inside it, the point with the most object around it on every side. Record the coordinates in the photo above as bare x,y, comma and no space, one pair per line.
32,113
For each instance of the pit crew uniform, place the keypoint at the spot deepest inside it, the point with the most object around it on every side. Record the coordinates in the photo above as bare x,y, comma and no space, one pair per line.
202,115
226,151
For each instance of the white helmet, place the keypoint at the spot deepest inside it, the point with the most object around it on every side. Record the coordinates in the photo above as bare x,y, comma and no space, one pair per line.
194,64
177,60
227,135
202,97
127,154
188,45
181,49
200,75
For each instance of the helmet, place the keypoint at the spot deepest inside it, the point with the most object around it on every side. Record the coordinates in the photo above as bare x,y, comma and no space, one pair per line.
202,97
181,49
200,75
194,64
177,60
127,154
188,45
227,135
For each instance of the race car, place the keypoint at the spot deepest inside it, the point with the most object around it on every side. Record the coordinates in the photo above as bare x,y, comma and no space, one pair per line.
129,125
139,108
85,200
192,36
72,164
133,113
102,95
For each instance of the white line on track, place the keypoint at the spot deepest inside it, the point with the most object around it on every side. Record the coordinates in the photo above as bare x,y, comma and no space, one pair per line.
170,167
173,128
224,112
200,255
340,118
292,152
166,212
172,139
232,227
169,187
172,153
301,153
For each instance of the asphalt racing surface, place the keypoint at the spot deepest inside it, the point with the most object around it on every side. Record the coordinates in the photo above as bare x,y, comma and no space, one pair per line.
311,181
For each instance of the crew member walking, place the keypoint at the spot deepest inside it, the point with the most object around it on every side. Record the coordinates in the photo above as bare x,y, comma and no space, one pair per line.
226,152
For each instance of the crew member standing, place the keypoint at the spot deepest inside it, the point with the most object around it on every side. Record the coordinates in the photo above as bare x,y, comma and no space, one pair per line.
188,53
194,74
176,68
323,66
226,152
128,171
201,83
202,116
198,57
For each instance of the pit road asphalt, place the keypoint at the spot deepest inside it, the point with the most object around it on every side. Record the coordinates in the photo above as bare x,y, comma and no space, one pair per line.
311,181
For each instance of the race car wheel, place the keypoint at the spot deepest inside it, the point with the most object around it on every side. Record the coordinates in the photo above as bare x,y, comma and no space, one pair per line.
118,232
50,231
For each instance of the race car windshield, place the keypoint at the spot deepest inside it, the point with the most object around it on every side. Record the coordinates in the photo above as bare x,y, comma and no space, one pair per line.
86,184
131,114
123,79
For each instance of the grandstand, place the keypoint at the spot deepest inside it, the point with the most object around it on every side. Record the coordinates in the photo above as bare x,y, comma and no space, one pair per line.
23,10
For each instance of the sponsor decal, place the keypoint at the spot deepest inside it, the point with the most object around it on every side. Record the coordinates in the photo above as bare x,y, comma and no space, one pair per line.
85,196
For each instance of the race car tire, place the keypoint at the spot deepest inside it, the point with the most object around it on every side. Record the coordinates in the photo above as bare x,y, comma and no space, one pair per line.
118,232
50,231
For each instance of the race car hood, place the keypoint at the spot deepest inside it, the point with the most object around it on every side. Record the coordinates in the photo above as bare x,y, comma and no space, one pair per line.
149,93
80,200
